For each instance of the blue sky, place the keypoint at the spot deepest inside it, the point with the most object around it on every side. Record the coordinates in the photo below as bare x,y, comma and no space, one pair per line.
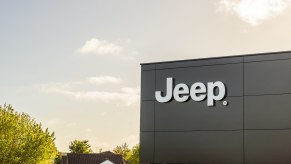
74,65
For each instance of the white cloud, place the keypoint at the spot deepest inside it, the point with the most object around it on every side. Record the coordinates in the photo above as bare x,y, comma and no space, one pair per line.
53,122
71,124
57,122
130,90
122,48
103,96
254,12
97,80
88,130
125,96
103,114
104,80
100,47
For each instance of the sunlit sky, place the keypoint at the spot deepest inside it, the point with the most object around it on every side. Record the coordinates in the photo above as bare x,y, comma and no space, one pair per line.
74,66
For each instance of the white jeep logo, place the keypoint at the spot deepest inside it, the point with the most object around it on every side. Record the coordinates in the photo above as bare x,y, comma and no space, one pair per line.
198,92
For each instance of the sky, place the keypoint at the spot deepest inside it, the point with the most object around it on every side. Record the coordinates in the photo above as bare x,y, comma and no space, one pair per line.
74,65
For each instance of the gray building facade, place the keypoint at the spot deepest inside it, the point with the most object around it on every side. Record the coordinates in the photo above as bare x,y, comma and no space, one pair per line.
253,128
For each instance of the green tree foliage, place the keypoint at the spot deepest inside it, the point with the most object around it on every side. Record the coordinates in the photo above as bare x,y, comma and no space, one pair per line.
122,150
22,139
80,146
58,158
133,155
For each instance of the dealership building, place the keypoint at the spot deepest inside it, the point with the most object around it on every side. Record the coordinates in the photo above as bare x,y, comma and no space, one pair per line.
224,110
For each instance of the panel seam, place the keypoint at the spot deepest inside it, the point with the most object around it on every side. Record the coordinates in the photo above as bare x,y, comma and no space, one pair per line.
243,108
154,152
269,94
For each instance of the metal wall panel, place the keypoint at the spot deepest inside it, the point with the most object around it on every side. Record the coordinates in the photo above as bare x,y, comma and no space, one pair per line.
267,112
268,77
193,115
205,147
253,128
148,67
146,147
271,56
148,85
267,146
147,118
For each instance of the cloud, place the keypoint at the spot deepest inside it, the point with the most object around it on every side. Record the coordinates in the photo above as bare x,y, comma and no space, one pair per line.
100,47
102,96
254,12
103,114
122,48
71,124
95,80
125,96
104,80
57,122
88,130
53,122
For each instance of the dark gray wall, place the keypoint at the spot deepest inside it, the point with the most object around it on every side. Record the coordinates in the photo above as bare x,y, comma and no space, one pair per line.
254,128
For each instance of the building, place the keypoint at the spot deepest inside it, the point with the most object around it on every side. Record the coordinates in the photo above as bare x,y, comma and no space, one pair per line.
100,158
228,110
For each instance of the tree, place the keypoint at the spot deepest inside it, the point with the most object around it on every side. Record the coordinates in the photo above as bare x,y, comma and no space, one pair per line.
58,158
80,146
122,150
133,155
22,139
